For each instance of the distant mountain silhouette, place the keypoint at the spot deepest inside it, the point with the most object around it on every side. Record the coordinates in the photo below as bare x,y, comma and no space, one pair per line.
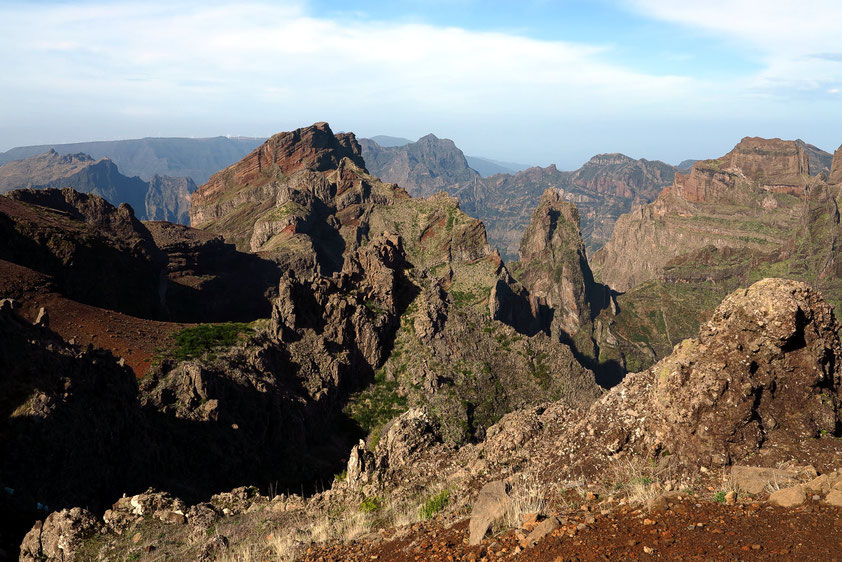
147,157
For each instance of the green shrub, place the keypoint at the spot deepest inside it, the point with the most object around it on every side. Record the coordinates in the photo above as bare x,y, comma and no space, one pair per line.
435,504
376,405
371,504
719,497
197,340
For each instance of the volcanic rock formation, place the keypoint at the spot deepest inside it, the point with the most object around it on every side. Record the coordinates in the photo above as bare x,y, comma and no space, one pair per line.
97,254
760,180
423,167
603,188
162,198
755,212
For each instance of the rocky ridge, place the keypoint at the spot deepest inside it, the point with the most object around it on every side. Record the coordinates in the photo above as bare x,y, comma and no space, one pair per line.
764,209
423,167
603,188
762,180
176,157
395,348
780,384
452,274
161,198
389,312
96,253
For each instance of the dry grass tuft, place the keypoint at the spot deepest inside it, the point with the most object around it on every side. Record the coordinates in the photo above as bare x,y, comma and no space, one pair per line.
640,479
528,495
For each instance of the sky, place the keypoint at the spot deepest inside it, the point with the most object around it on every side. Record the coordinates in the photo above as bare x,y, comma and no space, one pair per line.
532,81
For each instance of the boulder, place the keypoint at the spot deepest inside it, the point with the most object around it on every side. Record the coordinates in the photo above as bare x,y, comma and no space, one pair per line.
492,504
59,536
543,529
834,498
763,372
788,497
754,479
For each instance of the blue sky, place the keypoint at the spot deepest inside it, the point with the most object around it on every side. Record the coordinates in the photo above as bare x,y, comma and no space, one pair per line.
532,81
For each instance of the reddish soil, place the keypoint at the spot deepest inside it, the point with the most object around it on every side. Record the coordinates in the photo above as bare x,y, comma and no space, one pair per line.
688,531
134,339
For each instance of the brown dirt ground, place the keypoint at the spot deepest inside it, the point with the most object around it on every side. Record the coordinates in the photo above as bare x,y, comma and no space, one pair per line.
134,339
691,530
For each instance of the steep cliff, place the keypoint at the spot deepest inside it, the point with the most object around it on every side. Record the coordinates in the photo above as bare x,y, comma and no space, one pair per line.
836,169
749,198
298,199
422,168
605,187
168,199
755,212
554,266
162,198
209,280
454,278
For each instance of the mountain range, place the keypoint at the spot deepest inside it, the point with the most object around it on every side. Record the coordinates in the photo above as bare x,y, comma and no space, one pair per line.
604,188
147,157
160,198
322,354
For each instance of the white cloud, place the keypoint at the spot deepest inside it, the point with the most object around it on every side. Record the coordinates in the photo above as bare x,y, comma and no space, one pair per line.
200,58
798,42
85,70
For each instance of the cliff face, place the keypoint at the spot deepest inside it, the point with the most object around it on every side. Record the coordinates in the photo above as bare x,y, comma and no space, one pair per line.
162,198
554,266
755,212
209,280
168,199
422,168
749,198
604,188
836,170
303,201
299,199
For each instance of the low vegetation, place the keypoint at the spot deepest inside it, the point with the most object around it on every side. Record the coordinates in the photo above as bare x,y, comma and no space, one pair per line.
435,504
196,341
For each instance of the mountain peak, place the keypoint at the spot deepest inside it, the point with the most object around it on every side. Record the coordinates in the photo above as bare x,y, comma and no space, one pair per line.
609,158
836,168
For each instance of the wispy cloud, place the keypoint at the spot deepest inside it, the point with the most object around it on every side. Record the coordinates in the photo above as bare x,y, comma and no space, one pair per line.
94,69
268,55
798,43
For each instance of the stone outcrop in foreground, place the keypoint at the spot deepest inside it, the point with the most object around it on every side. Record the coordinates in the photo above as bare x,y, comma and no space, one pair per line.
763,371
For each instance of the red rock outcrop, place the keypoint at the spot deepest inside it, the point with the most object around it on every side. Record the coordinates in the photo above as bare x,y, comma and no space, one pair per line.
698,210
301,199
776,165
313,148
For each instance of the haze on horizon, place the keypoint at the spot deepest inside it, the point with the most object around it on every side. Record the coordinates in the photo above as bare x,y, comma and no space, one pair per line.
537,81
